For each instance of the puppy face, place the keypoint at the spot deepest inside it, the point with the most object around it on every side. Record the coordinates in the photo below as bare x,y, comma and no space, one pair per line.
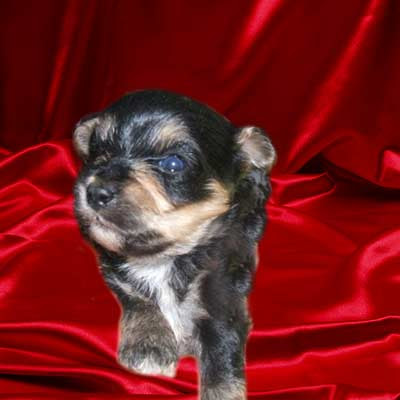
159,171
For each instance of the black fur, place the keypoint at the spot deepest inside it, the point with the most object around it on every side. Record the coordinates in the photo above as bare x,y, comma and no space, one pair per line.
224,258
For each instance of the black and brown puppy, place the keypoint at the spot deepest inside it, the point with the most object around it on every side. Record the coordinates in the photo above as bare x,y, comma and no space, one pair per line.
171,195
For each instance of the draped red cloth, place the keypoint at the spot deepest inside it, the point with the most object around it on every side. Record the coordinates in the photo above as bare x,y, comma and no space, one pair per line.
322,77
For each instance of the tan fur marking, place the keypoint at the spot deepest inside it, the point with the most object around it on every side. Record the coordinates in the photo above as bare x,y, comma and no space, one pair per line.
170,132
173,130
188,217
147,191
257,147
82,135
85,129
105,237
186,225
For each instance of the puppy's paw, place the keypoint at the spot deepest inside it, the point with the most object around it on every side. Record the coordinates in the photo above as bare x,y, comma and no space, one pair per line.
149,358
229,390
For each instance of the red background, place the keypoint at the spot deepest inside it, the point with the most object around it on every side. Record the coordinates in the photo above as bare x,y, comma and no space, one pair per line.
322,77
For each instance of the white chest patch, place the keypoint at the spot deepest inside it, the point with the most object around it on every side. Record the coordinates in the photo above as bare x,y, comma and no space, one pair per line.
180,315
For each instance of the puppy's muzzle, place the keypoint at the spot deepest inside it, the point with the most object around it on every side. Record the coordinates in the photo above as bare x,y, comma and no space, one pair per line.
100,194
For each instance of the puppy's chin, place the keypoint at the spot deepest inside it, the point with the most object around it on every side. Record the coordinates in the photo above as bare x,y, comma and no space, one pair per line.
106,237
128,245
146,243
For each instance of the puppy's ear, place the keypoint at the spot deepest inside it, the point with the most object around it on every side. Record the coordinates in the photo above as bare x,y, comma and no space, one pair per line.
82,133
255,149
256,156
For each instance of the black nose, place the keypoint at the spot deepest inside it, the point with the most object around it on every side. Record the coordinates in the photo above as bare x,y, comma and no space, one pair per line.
99,195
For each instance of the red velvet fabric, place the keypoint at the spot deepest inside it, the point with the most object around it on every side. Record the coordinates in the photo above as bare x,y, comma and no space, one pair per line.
323,77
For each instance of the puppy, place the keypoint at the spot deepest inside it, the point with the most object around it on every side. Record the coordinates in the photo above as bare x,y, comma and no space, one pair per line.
171,196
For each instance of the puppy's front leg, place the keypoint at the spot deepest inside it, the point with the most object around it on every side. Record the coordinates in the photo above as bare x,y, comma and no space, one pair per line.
221,361
147,344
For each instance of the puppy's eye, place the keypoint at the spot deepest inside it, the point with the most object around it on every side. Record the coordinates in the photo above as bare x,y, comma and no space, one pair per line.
172,164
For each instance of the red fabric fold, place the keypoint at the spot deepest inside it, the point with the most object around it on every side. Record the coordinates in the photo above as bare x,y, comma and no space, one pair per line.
323,78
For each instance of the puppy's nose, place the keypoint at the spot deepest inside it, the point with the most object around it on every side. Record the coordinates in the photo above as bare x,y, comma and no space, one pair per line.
99,195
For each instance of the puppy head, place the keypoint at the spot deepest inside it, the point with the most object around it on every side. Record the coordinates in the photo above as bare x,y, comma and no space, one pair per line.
159,171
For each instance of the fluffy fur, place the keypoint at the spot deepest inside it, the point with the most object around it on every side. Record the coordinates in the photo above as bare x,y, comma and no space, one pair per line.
171,195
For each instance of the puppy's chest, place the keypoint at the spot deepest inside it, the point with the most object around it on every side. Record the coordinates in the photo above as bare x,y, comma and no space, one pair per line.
155,282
